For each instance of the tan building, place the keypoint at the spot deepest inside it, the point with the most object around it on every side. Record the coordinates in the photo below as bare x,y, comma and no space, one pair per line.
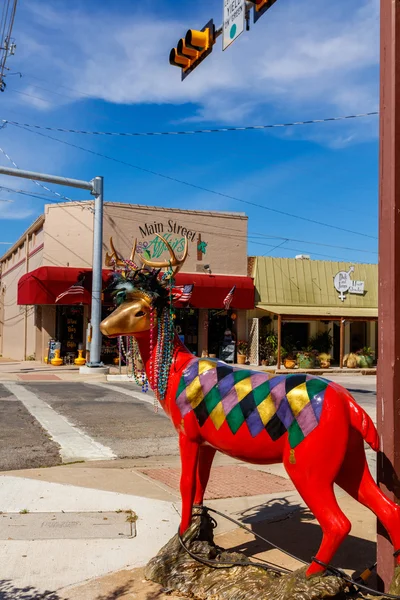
299,299
57,250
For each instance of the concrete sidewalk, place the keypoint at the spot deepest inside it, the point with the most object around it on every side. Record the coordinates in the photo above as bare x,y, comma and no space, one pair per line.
50,517
37,371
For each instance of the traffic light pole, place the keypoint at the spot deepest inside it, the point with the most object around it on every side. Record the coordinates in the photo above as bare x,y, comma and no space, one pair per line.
388,389
95,345
95,187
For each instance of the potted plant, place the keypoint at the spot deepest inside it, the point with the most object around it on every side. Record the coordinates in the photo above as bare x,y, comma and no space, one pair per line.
306,357
350,360
242,348
268,347
289,361
322,342
324,360
366,358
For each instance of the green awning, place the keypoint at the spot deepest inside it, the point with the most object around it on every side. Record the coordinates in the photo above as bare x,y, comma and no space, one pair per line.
320,311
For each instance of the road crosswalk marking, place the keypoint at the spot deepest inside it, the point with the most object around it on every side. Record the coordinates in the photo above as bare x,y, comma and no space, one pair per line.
74,443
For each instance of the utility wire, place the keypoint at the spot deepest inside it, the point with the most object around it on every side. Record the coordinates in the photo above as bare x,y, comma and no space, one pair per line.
195,186
278,237
41,185
195,131
302,251
59,85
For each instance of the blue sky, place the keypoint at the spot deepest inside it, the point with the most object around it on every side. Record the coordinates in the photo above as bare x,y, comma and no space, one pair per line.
87,65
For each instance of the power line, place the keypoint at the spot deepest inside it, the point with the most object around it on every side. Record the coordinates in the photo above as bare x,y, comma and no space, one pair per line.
32,194
38,183
313,243
337,258
59,85
193,132
195,186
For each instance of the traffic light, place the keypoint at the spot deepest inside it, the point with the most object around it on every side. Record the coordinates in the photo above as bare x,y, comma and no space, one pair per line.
193,49
260,7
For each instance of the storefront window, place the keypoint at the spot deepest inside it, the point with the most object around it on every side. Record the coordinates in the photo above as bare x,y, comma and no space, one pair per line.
69,328
221,335
187,326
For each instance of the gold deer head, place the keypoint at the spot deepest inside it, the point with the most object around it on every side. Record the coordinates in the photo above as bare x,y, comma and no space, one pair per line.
139,291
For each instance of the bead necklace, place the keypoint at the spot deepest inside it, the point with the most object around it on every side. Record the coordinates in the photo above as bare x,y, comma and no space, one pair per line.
138,375
133,356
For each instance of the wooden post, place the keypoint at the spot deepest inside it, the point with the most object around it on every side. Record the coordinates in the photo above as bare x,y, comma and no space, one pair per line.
279,341
341,345
388,388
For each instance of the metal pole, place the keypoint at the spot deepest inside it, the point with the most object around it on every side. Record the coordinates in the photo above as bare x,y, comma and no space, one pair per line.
76,183
95,346
388,389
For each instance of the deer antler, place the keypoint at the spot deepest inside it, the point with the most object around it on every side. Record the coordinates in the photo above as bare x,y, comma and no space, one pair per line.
175,262
114,259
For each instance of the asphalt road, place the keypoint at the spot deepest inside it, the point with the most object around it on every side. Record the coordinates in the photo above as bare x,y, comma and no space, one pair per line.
115,418
24,443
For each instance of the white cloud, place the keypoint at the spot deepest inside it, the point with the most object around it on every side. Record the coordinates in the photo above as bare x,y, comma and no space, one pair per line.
317,59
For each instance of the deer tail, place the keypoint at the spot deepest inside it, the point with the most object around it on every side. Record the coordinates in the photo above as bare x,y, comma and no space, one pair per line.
363,423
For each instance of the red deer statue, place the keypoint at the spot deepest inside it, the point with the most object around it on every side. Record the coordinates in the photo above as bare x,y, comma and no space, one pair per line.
311,425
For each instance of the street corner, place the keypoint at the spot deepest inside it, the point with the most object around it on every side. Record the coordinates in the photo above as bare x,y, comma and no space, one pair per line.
53,536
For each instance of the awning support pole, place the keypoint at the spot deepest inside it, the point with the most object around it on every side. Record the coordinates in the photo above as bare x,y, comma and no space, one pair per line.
279,341
341,345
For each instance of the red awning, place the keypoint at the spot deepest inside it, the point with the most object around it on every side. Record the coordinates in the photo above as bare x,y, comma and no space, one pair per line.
210,291
43,285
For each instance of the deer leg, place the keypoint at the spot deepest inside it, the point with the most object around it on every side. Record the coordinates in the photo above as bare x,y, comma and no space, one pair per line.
206,457
314,482
355,478
189,451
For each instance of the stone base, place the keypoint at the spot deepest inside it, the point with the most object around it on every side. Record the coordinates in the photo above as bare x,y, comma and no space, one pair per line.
174,569
94,370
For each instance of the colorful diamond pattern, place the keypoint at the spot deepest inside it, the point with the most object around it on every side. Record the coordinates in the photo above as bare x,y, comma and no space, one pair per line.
216,391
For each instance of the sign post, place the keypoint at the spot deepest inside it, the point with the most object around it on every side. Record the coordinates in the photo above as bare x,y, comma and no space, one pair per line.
234,21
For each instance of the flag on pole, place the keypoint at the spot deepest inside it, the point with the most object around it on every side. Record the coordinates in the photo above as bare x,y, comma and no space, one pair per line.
229,298
182,293
74,291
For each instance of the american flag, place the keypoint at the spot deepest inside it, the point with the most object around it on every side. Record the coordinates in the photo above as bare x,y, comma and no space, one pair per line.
182,293
76,289
229,298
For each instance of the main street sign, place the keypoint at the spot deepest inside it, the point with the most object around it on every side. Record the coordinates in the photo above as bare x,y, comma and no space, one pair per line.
234,21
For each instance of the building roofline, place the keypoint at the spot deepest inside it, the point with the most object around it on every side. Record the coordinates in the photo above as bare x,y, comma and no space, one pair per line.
233,214
35,225
238,215
314,260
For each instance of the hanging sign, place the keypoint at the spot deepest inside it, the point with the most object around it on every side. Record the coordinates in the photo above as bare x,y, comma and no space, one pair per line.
233,21
343,283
